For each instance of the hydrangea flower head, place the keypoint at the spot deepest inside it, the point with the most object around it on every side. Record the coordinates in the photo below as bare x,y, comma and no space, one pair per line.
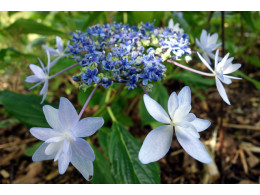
125,53
222,68
63,140
187,125
41,75
208,43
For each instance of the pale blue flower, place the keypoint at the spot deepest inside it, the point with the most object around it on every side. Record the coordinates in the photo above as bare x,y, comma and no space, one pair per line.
41,75
175,27
187,125
208,43
63,140
59,52
222,68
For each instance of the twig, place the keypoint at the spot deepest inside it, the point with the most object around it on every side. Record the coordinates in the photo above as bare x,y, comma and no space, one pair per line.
246,127
17,142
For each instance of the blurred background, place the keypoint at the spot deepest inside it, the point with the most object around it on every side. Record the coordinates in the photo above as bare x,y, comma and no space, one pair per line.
233,139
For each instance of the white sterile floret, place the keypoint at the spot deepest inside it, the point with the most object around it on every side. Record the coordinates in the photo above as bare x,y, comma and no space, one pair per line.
41,75
222,68
187,125
56,52
175,27
63,140
208,43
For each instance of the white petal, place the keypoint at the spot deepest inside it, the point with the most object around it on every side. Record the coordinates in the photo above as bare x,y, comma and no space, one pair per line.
172,104
205,62
221,64
37,71
52,51
227,80
187,129
67,114
198,44
231,77
184,96
216,59
181,113
231,68
65,157
206,57
83,165
156,110
44,90
193,147
190,117
203,38
171,24
40,155
213,39
53,148
88,126
55,61
222,91
55,139
32,79
82,148
156,144
49,62
201,124
59,44
52,117
43,133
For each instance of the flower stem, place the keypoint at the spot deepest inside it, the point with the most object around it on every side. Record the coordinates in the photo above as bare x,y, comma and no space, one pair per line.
109,102
87,101
190,69
111,114
70,67
145,91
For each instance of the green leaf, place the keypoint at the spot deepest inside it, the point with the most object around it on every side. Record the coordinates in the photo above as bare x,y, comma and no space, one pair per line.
124,120
26,108
102,173
255,82
26,26
95,100
30,151
126,167
159,93
103,138
8,122
194,79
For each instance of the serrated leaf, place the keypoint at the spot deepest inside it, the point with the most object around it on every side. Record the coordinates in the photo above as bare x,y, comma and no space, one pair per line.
126,167
102,173
26,108
104,134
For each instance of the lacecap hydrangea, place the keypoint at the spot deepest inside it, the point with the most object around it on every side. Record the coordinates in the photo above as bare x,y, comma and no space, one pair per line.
125,54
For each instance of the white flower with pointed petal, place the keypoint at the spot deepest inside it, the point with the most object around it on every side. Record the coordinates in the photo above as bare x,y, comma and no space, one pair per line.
222,68
187,125
175,27
63,140
208,43
56,52
41,75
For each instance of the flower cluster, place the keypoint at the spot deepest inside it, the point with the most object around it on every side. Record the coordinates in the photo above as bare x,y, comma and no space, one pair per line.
207,44
133,55
123,53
